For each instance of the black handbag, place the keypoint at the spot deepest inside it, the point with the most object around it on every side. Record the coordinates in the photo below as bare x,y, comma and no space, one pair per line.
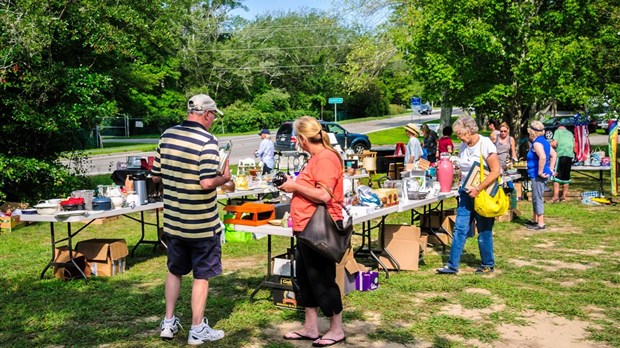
323,235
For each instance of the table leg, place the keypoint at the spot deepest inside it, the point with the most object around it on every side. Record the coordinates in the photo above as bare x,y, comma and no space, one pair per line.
70,247
52,259
266,282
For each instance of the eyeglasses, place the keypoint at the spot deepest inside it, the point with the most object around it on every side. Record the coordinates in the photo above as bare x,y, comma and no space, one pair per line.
503,131
212,113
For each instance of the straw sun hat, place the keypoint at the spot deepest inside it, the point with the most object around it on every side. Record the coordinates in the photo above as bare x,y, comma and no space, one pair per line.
410,127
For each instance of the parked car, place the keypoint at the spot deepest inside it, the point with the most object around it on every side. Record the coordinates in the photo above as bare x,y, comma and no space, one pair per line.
286,137
424,109
567,121
604,124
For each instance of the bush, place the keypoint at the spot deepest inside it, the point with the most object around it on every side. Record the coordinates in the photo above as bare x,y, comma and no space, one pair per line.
31,180
397,109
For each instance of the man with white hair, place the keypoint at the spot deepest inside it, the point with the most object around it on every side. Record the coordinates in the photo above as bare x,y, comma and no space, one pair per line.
187,163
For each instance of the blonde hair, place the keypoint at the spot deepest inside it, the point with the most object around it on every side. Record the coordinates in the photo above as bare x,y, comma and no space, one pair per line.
465,123
504,124
312,131
532,129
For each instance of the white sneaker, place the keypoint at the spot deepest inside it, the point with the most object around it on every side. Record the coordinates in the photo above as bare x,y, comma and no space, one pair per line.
168,329
204,334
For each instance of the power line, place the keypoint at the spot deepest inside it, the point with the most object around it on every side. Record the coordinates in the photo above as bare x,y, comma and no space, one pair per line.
280,66
272,48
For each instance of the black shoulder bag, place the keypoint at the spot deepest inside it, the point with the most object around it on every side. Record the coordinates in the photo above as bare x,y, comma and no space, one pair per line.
324,235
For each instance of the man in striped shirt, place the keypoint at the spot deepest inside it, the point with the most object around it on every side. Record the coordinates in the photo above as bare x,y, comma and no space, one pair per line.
187,164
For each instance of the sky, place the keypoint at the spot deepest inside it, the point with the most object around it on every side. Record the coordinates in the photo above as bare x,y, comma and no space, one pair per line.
256,7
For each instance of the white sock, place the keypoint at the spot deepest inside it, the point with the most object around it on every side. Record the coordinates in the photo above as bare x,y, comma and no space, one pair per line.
198,327
169,321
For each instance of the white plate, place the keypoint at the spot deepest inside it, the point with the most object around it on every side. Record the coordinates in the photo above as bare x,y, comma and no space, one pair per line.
64,214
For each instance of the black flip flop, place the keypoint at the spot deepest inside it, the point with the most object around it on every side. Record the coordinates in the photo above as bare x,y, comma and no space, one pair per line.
333,341
300,337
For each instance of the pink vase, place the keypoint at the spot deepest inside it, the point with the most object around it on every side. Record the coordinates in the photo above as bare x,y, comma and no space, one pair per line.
445,173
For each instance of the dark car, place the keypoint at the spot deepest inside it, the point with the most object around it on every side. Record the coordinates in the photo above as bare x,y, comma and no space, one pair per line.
286,138
567,121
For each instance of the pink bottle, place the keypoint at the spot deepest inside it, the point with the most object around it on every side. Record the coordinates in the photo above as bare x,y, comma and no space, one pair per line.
445,173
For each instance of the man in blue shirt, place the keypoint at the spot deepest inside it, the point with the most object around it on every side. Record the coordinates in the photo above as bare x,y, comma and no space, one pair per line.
265,151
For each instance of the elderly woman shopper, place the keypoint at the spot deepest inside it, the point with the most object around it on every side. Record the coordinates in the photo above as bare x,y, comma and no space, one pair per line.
472,147
540,159
319,182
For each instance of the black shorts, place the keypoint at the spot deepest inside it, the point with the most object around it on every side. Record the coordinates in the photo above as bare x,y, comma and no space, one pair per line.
202,256
562,170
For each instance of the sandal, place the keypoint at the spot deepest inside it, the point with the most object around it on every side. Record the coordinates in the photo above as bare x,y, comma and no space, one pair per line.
555,200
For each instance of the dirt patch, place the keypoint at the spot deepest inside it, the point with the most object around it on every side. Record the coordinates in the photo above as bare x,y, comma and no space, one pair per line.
543,330
553,265
546,330
568,284
242,263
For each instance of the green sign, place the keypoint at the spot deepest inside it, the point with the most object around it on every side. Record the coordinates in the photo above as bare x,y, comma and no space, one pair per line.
335,100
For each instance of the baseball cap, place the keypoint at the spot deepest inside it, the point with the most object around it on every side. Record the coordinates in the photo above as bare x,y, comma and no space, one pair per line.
202,102
264,131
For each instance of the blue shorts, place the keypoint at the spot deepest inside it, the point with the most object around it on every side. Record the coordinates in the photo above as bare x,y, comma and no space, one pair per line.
202,256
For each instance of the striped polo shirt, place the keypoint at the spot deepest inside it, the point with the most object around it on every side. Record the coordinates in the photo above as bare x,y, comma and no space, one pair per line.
186,154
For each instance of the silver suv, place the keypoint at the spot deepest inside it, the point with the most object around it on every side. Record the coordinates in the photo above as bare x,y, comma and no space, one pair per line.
286,137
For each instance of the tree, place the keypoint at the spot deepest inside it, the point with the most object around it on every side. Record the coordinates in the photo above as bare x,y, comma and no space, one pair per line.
514,59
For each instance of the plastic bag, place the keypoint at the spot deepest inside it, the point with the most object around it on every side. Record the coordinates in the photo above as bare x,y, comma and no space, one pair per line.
367,197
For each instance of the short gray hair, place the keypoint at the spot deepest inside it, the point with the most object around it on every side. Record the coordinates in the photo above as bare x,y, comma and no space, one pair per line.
534,127
465,123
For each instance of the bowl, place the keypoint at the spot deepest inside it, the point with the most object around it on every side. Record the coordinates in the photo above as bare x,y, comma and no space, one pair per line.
416,195
29,211
46,208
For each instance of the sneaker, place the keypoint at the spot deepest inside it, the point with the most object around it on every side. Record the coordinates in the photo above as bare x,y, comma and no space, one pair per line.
446,270
169,328
204,334
536,227
530,223
483,270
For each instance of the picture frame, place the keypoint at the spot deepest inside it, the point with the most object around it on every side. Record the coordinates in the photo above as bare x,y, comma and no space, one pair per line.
473,179
224,149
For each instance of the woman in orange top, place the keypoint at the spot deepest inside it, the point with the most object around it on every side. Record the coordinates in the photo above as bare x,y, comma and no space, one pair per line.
316,275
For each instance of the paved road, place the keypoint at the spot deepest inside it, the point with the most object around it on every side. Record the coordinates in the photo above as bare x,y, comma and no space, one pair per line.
245,145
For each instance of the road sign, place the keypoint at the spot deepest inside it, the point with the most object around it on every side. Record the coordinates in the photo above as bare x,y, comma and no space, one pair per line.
416,101
335,100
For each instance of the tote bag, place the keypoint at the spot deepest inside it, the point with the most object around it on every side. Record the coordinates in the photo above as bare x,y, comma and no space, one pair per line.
487,205
323,235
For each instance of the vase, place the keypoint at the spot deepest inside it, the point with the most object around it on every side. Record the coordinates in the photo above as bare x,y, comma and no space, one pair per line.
445,173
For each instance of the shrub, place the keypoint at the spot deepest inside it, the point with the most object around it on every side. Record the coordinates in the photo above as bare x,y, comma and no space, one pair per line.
31,180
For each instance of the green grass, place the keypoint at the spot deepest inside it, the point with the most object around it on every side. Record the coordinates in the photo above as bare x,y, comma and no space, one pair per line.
570,270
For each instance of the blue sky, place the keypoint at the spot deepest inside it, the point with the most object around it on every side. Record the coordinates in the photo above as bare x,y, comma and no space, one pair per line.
256,7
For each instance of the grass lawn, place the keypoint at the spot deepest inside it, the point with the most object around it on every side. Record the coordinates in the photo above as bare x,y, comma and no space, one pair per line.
549,288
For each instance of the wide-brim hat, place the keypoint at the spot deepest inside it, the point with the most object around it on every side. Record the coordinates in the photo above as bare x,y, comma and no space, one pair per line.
411,128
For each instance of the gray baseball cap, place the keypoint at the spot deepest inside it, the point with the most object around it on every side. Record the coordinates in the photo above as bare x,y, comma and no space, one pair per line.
202,102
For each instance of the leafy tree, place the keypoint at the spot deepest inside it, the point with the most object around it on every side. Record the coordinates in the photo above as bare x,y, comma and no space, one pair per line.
515,59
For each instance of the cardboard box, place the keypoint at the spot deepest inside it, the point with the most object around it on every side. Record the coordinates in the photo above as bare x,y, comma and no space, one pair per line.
441,237
435,220
403,243
69,272
284,298
507,217
106,257
367,281
281,265
8,223
346,271
423,244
